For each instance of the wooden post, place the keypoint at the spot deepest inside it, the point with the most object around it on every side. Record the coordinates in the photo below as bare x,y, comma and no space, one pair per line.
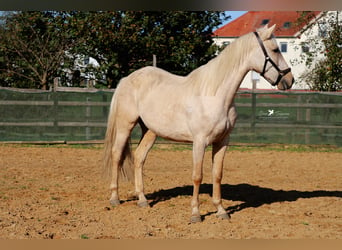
255,79
87,130
55,104
307,120
55,84
154,61
253,106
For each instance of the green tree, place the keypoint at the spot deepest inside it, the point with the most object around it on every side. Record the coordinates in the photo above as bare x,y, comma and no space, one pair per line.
32,46
325,74
125,41
37,46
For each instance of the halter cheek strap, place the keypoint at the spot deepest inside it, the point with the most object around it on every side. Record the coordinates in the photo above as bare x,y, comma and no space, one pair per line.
281,73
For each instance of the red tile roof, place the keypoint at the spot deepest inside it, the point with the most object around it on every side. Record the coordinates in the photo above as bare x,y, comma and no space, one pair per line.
252,20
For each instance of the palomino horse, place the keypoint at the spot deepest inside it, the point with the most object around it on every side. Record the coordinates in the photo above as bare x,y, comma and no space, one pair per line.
197,108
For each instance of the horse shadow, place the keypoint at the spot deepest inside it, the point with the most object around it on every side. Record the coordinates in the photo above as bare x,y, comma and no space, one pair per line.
250,195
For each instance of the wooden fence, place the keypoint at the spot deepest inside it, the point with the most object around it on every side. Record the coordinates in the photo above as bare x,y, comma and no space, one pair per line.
254,121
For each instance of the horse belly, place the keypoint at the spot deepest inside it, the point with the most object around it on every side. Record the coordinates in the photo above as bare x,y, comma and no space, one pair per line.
168,129
167,121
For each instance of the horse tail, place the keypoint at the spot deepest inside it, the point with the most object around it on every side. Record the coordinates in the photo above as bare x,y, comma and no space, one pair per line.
126,159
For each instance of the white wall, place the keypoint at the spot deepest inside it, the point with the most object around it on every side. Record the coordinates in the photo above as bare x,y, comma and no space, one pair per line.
292,56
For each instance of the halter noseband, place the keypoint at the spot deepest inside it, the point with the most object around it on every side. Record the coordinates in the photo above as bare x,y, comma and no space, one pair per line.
281,73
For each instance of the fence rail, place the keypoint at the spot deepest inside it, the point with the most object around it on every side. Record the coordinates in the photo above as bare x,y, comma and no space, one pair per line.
294,105
75,114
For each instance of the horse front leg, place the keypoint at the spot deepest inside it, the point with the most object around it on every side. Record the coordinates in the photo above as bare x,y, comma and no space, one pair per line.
197,175
219,150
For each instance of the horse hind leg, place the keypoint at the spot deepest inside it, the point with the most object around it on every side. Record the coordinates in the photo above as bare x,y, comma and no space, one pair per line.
121,121
118,149
140,154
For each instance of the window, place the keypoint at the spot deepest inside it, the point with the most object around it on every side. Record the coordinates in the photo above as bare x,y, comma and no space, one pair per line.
283,47
265,21
305,48
287,25
323,31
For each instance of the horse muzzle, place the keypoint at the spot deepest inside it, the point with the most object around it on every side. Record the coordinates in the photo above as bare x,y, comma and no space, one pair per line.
285,82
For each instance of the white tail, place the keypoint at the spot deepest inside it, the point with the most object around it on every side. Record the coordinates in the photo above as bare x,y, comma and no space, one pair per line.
126,159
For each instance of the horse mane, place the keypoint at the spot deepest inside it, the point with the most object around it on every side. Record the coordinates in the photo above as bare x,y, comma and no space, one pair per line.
206,79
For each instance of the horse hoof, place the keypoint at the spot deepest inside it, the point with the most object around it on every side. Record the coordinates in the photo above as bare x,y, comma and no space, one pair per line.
224,216
195,219
143,204
114,203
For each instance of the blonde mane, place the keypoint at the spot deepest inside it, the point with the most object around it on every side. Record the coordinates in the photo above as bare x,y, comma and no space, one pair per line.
206,79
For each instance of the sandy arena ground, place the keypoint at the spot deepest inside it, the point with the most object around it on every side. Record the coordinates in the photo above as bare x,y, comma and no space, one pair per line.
58,193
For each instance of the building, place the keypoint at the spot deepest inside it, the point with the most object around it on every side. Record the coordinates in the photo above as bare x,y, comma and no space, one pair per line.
290,36
82,73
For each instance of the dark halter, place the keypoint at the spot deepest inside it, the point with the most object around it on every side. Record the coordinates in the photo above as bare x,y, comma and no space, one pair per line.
281,73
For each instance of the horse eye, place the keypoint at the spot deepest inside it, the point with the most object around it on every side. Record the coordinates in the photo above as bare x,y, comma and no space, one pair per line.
276,50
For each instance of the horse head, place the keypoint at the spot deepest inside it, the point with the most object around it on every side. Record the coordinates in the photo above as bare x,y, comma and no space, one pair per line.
274,67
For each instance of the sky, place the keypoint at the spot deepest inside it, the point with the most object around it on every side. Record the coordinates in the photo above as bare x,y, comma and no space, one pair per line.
234,15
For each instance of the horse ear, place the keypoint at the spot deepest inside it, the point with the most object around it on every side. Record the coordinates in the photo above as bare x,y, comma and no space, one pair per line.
266,33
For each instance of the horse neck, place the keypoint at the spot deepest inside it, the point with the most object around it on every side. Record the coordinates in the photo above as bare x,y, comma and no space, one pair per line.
239,53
